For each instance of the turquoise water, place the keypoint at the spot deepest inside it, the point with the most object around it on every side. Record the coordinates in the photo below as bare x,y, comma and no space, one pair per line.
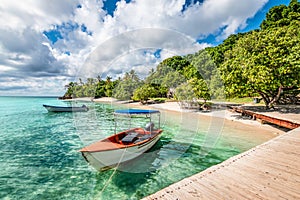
40,160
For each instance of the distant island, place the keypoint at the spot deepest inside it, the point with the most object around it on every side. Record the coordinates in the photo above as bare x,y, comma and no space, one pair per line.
262,63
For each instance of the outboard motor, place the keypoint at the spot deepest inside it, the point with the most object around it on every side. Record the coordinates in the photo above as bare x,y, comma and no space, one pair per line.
149,126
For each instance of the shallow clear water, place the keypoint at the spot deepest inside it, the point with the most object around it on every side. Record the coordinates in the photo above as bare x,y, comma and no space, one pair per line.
40,160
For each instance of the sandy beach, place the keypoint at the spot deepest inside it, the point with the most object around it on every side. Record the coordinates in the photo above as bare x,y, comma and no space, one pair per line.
220,112
228,123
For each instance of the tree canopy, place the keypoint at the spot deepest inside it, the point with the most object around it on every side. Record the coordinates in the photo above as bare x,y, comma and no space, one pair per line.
265,62
282,15
125,88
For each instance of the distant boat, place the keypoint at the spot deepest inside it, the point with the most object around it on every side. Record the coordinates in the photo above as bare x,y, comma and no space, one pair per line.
123,146
82,108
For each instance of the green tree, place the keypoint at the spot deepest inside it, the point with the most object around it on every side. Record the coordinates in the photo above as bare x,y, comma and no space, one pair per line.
172,79
200,89
125,88
168,75
177,63
100,89
70,90
109,86
185,92
144,92
157,76
203,69
217,53
264,62
282,15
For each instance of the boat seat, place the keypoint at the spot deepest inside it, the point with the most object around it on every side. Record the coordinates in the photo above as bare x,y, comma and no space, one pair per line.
144,137
130,137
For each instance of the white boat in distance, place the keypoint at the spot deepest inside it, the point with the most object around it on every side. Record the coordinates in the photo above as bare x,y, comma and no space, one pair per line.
123,146
82,108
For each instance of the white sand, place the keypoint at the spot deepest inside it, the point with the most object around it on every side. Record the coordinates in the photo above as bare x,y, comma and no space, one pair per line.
231,119
80,99
218,113
105,99
222,113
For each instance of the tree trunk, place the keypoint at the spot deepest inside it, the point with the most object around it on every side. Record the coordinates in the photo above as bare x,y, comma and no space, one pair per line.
265,98
276,98
269,102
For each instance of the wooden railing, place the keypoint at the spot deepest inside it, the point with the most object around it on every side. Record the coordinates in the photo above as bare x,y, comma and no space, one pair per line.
266,119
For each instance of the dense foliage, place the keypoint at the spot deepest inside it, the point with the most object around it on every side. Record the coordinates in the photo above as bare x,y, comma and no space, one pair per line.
125,88
264,62
280,16
92,88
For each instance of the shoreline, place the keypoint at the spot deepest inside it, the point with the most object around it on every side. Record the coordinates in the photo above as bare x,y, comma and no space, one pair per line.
219,122
220,112
228,124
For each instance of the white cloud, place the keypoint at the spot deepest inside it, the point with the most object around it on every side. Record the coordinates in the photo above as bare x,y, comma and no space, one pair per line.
141,61
37,86
131,45
39,15
5,68
197,20
138,26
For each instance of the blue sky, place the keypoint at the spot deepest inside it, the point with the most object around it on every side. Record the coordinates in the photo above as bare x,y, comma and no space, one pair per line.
44,46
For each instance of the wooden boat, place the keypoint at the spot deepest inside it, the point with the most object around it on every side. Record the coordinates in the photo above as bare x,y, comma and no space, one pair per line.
123,146
82,108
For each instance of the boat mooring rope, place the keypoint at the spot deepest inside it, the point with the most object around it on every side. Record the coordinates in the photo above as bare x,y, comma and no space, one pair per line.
111,176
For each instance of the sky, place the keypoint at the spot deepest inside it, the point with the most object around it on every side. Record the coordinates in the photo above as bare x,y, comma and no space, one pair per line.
46,44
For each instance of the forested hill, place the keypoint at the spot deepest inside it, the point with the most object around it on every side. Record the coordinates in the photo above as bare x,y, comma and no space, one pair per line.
263,62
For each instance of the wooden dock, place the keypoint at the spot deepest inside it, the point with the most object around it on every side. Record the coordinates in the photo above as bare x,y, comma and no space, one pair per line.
268,171
265,118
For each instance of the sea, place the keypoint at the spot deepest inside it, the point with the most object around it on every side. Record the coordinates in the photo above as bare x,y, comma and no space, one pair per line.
40,156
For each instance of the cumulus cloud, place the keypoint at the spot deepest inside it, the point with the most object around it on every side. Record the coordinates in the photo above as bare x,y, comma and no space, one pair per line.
22,43
19,15
135,49
198,20
88,42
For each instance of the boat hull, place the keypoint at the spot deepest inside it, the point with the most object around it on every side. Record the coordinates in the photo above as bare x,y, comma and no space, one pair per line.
65,109
103,160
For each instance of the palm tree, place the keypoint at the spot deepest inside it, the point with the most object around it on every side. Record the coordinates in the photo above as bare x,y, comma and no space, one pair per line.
99,78
108,79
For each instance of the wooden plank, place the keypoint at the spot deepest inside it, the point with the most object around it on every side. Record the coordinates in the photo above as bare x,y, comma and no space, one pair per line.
268,171
228,188
203,189
251,188
268,184
276,165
